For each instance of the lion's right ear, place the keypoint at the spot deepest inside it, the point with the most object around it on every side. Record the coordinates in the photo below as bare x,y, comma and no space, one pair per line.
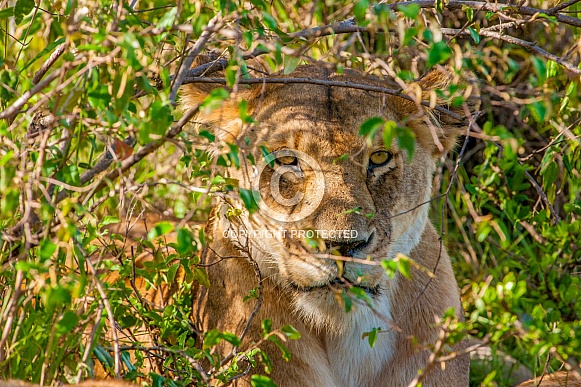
433,88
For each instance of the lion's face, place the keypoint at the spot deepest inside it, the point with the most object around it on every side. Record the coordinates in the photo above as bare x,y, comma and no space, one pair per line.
318,177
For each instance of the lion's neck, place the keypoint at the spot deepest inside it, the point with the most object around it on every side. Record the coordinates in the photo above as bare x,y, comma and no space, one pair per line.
412,236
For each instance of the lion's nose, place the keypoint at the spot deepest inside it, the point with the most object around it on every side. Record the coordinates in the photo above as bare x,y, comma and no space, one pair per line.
348,248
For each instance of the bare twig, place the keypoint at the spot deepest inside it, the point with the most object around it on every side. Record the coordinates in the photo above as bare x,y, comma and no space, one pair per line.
494,7
324,82
13,109
213,26
53,58
519,42
89,344
557,8
159,348
107,305
147,149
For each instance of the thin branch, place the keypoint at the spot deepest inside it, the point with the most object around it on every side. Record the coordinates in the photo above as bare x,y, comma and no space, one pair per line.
13,109
53,58
519,42
159,348
89,344
557,8
494,7
108,308
213,26
144,151
323,82
554,216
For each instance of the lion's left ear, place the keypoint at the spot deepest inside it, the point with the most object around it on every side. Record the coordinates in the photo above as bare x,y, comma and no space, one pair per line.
463,100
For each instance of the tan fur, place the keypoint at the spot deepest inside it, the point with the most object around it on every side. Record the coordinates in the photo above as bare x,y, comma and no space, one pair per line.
323,122
558,379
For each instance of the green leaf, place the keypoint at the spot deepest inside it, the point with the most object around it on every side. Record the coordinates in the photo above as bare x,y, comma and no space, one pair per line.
67,322
371,336
347,300
214,99
469,13
538,110
22,8
6,13
269,20
439,6
369,128
286,355
290,63
214,337
103,356
167,20
550,174
126,358
160,229
406,140
171,272
262,381
185,239
390,267
552,68
248,197
540,68
389,133
403,265
410,10
201,276
251,295
438,53
360,294
474,34
109,220
410,33
360,10
291,332
6,158
47,249
266,326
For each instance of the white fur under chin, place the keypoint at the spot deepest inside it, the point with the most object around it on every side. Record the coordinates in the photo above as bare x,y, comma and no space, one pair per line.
351,358
352,361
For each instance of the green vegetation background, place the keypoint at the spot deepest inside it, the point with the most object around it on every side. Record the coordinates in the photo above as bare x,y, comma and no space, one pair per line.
510,214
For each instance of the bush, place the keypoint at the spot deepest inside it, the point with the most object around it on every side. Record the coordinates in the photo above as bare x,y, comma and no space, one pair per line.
92,143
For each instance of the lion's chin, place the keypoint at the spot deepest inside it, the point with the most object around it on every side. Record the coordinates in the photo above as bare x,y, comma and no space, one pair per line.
337,286
323,307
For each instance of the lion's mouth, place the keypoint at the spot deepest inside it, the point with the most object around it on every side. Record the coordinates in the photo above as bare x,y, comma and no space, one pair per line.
338,284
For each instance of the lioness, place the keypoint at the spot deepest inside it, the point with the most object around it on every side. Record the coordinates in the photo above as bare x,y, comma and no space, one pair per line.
362,202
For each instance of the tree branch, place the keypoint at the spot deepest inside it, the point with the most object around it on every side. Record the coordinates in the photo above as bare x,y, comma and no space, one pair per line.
519,42
53,58
13,109
144,151
213,26
494,7
323,82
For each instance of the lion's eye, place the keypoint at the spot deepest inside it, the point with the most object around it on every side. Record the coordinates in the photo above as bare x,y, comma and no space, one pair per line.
379,158
287,159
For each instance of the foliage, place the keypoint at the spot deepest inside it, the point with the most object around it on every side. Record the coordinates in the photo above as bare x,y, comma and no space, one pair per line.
87,91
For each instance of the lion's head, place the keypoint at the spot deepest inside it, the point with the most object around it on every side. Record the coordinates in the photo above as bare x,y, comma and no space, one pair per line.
319,177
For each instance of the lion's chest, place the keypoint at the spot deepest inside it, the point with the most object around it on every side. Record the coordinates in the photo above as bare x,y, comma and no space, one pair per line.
351,359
